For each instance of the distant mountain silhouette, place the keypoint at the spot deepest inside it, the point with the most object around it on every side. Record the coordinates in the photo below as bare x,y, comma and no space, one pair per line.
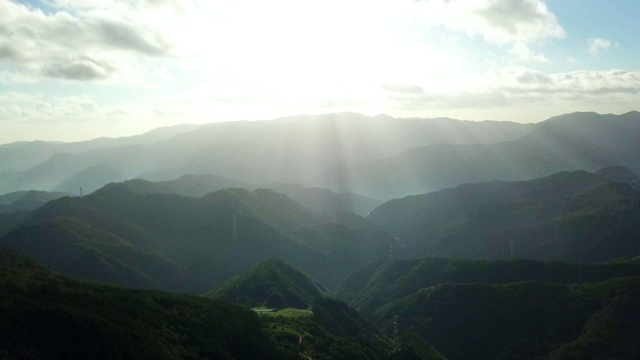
578,141
14,207
326,201
309,150
28,200
90,179
569,216
22,155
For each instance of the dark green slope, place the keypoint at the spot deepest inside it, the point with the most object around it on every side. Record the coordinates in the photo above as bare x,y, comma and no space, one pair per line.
187,244
273,284
377,284
569,216
43,315
526,320
332,330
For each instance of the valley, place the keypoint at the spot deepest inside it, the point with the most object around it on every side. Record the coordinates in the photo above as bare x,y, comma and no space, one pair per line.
414,242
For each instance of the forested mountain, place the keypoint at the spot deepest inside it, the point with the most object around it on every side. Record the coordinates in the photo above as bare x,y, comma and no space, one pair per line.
517,309
527,249
380,283
273,284
302,149
319,200
45,315
190,244
525,320
569,216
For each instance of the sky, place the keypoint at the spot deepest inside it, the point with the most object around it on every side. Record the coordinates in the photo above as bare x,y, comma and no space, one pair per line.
79,69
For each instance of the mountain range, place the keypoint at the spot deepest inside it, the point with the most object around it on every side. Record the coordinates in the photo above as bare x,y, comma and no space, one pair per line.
128,234
568,216
302,149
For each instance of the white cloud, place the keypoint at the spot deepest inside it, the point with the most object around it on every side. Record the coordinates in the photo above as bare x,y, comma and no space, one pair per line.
78,43
30,107
597,44
512,87
516,23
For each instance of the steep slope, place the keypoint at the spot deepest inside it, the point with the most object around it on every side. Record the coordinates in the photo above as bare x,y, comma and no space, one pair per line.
578,141
569,216
273,284
525,320
187,244
44,315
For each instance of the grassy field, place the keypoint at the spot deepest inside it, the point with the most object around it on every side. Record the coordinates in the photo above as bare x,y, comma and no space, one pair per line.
289,313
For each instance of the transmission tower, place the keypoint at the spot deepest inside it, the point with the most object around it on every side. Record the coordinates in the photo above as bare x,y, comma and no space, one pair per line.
234,235
390,250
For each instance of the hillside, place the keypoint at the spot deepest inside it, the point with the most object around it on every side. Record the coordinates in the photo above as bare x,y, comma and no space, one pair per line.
45,315
378,284
49,316
187,244
569,216
524,320
272,284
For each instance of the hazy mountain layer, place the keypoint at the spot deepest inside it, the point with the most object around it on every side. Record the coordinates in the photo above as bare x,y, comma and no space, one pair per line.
303,149
20,156
569,216
27,200
325,201
578,141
